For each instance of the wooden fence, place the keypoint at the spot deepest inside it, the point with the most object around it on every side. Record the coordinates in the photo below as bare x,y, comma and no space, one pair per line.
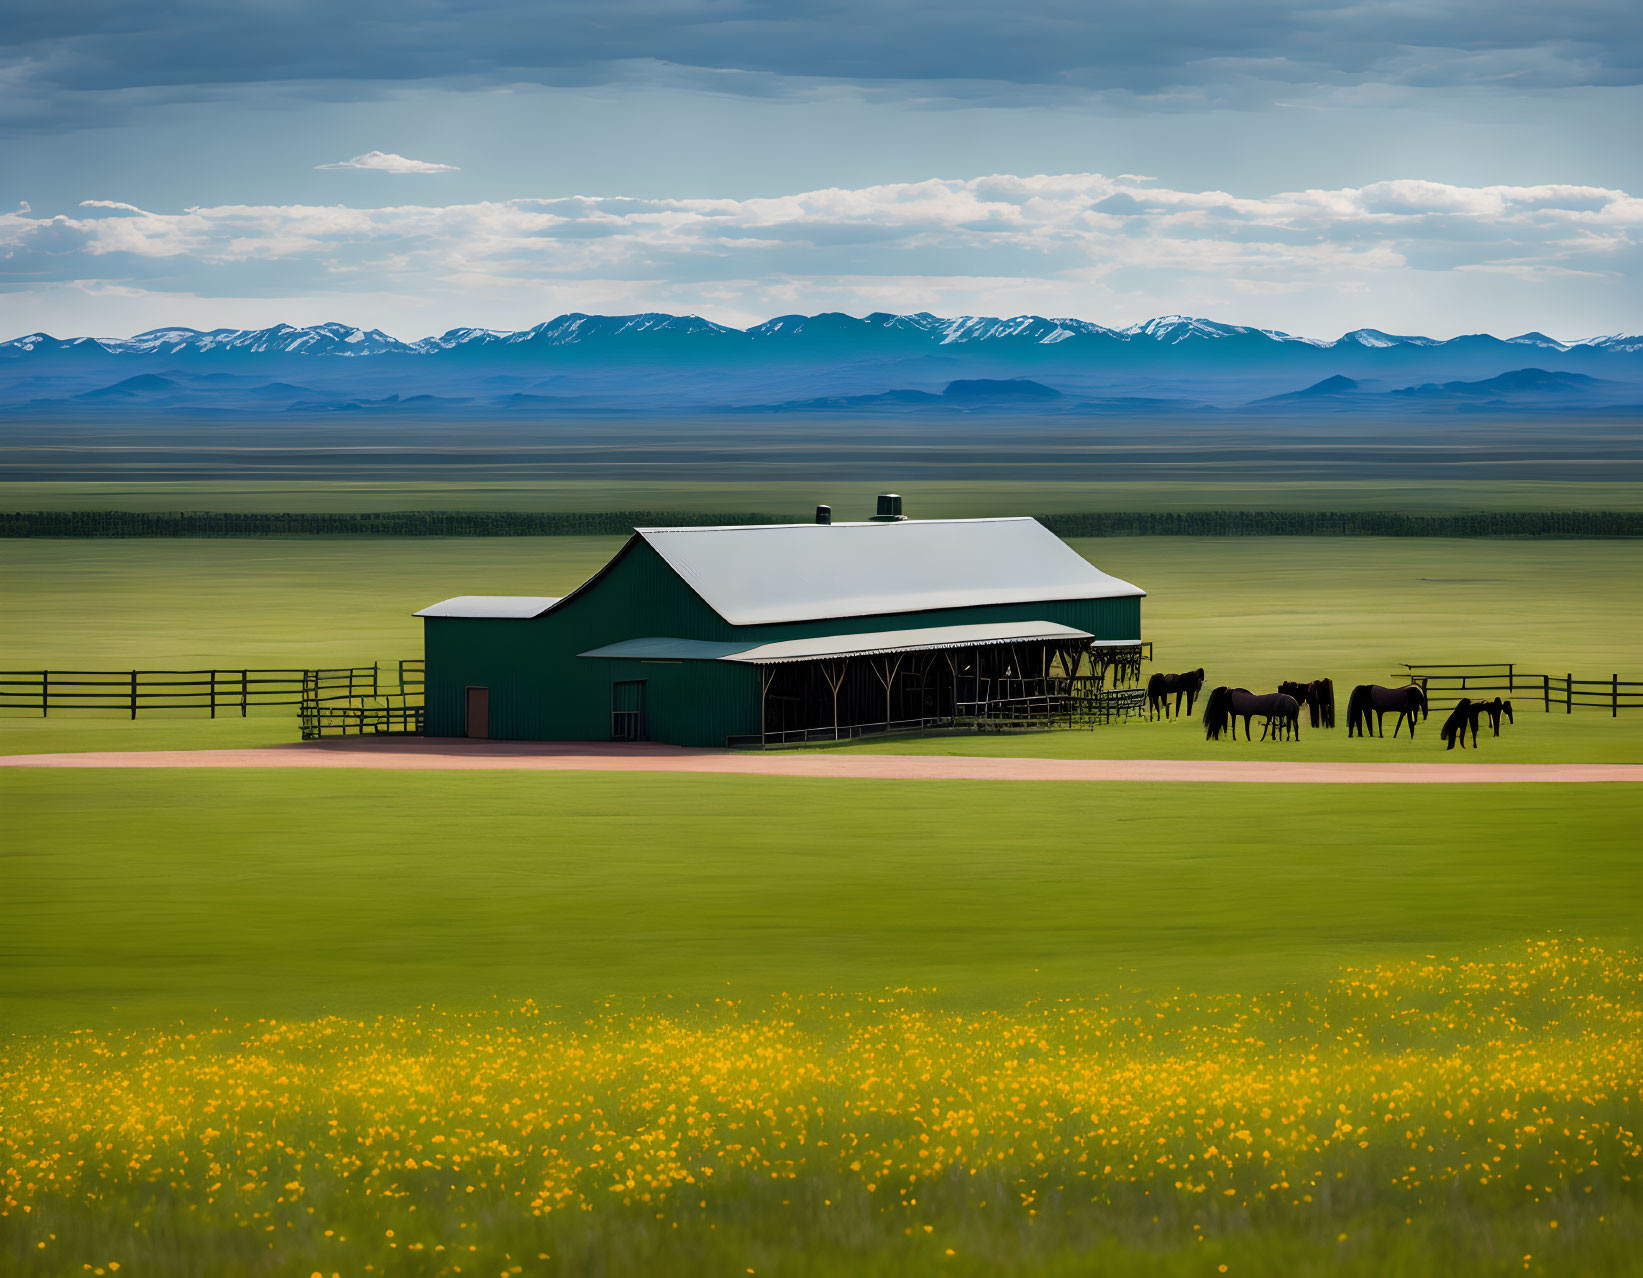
129,693
1447,684
393,706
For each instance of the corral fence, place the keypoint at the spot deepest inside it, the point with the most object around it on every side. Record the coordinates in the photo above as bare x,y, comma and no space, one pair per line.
213,692
393,706
1447,684
334,701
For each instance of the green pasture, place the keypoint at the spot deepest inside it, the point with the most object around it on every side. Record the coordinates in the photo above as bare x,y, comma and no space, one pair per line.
143,897
850,498
1251,611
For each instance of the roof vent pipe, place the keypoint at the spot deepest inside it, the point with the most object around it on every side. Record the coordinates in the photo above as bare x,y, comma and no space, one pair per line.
889,508
824,514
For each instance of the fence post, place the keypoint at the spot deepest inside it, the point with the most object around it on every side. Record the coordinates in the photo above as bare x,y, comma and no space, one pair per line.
1546,693
213,694
45,685
1511,682
133,694
1569,693
245,684
1614,696
375,675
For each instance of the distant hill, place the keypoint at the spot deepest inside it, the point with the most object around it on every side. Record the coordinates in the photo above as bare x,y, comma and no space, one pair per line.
1520,381
1336,385
993,390
1518,389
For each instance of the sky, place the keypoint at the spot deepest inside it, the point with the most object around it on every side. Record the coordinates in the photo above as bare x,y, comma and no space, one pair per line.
1418,166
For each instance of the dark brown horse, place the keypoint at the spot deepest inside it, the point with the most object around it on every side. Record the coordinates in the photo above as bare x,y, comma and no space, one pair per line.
1226,706
1370,699
1161,686
1468,714
1317,696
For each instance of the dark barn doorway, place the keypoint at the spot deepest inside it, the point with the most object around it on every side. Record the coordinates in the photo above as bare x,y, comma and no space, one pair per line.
477,713
627,711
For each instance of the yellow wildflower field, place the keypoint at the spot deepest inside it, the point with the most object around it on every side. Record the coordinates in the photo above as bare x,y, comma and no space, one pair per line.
1411,1117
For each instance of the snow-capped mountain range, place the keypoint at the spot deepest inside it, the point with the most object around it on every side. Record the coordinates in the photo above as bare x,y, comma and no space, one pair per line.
684,363
568,330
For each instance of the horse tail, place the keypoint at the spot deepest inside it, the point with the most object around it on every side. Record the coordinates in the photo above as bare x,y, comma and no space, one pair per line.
1215,713
1357,712
1326,702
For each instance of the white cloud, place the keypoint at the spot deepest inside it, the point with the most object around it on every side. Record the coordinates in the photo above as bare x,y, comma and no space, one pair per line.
388,162
1111,249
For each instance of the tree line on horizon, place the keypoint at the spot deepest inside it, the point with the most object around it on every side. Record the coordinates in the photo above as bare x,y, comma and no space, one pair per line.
1198,523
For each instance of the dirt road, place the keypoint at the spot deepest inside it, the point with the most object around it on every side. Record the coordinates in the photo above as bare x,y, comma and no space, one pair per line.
428,756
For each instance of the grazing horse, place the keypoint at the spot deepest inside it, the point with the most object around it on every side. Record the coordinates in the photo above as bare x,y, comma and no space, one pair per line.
1454,727
1467,714
1281,712
1160,686
1371,699
1318,696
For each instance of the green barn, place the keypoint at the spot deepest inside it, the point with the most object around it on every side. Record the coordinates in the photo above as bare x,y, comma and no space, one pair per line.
781,632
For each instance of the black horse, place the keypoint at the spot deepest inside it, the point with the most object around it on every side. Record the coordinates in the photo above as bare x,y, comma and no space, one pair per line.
1160,686
1317,696
1371,699
1467,714
1226,706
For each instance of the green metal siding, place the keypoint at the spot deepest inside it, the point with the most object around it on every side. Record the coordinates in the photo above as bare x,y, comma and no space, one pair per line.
541,690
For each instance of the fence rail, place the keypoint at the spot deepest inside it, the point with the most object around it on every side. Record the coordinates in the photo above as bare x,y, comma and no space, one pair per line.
1447,684
134,692
214,693
389,708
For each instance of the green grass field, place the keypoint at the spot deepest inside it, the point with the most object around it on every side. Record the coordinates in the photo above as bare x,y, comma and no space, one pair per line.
147,896
663,926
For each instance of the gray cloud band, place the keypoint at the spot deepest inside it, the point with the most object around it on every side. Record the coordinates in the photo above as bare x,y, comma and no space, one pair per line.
952,49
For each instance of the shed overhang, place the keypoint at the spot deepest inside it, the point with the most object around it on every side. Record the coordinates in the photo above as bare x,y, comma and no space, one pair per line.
871,643
515,607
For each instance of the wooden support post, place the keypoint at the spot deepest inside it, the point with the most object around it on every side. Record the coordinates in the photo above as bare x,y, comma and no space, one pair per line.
1614,696
1511,680
1546,693
1569,693
245,686
133,694
213,694
767,676
45,694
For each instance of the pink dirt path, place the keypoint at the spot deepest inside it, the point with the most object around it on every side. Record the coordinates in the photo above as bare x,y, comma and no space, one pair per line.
456,755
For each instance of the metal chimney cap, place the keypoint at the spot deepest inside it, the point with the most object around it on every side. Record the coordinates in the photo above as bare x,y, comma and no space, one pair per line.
889,508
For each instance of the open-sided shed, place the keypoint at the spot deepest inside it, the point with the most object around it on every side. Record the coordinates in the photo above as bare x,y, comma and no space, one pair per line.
699,636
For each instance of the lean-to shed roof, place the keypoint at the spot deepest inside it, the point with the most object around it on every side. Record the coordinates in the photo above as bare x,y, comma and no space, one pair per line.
827,646
765,573
506,606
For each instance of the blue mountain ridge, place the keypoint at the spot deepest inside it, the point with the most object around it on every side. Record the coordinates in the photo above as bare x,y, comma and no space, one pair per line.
670,363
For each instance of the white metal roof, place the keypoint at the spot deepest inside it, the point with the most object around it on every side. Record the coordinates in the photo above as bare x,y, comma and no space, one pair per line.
860,645
512,606
763,573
